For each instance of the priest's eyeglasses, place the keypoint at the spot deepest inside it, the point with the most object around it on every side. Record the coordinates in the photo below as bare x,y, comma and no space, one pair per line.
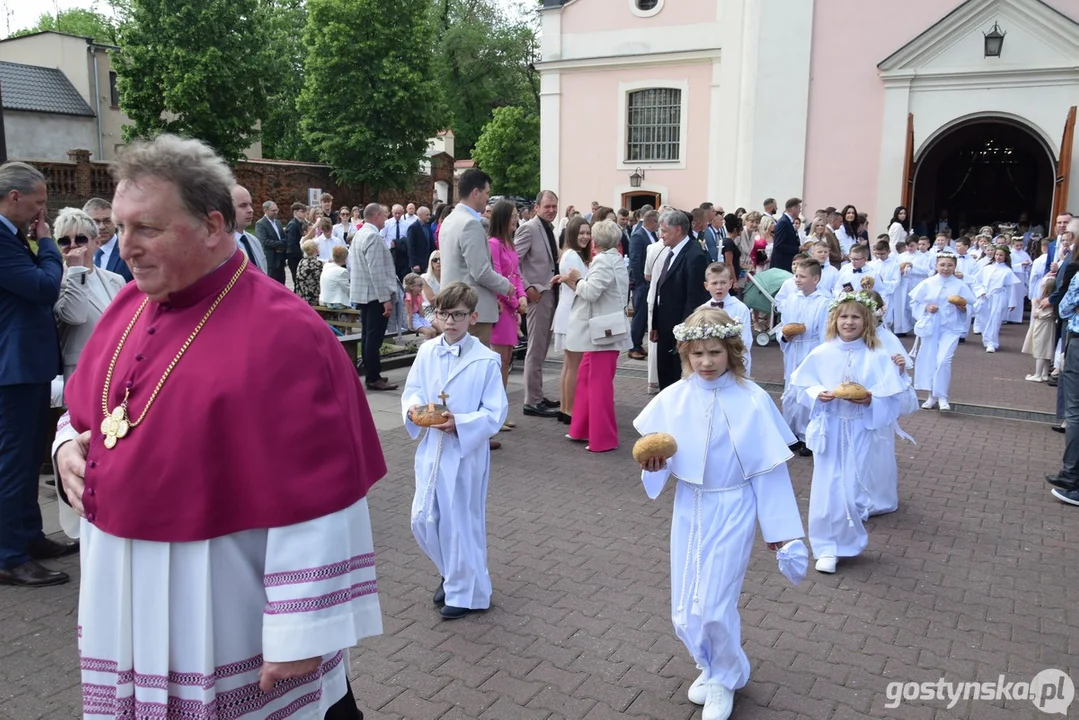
459,316
79,240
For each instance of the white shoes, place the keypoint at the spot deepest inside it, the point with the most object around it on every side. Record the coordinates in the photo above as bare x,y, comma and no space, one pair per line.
1034,378
944,406
826,564
719,703
930,403
698,691
991,349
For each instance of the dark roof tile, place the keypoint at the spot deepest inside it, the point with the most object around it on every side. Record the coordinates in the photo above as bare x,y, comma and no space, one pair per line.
40,89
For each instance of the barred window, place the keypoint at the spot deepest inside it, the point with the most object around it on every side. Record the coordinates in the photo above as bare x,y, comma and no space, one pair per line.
654,124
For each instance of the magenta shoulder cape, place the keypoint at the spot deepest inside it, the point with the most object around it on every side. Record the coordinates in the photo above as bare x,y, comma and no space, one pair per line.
263,422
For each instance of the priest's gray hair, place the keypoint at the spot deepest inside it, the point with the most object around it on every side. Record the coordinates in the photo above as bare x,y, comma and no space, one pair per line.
202,178
72,221
19,176
676,218
606,235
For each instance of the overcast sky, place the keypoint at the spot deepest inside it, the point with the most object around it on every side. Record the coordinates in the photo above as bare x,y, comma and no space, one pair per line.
24,13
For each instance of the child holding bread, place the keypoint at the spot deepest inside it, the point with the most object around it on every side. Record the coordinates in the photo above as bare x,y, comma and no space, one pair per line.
731,473
805,315
850,386
455,391
941,306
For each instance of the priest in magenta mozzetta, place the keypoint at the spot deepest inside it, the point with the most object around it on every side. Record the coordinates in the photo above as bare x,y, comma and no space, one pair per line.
227,560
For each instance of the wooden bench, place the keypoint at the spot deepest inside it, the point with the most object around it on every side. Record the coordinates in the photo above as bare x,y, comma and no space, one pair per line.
345,319
351,344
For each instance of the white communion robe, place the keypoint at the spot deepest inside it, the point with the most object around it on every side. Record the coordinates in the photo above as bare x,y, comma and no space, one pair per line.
882,475
811,311
887,283
997,279
849,276
839,434
938,333
449,510
739,312
732,474
181,630
902,322
1021,263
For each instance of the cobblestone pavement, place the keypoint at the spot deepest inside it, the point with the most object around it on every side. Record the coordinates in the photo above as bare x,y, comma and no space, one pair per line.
967,581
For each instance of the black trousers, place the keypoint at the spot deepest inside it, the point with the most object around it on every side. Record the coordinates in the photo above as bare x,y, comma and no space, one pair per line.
293,263
639,325
275,268
374,331
668,363
345,708
24,414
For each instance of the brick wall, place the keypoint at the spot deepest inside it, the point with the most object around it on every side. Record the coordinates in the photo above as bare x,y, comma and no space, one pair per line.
75,182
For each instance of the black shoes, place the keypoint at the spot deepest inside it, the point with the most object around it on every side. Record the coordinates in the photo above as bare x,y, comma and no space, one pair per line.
804,452
32,574
46,549
1060,482
440,594
541,410
564,418
1060,428
449,612
551,403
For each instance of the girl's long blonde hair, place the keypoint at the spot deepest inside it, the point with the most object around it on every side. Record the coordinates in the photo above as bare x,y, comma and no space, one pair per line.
736,349
869,323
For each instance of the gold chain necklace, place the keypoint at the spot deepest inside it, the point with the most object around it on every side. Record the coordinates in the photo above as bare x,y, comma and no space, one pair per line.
116,424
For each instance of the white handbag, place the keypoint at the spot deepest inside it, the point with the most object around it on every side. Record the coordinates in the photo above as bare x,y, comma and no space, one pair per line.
608,329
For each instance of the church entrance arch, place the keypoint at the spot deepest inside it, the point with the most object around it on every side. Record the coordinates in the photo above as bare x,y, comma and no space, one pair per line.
984,171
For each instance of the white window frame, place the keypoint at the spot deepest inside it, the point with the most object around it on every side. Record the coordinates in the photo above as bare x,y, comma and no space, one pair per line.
624,89
645,13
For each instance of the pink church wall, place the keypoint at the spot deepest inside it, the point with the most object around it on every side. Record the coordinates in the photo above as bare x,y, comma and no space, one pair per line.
846,96
595,15
589,152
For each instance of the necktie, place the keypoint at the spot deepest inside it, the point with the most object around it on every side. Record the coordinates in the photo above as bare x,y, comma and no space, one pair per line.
98,254
717,303
397,227
247,247
454,350
666,266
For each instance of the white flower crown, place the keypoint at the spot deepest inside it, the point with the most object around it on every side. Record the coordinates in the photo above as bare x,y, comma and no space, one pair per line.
947,254
685,333
859,297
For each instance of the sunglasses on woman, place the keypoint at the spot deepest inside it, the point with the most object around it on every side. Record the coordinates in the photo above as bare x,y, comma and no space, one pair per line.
79,240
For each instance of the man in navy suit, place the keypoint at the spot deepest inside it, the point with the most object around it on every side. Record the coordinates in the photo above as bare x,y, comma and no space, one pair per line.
642,236
679,291
108,250
420,238
29,360
786,244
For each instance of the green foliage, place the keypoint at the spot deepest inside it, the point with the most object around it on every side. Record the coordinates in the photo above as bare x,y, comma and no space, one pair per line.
508,150
196,68
281,136
369,103
482,63
76,21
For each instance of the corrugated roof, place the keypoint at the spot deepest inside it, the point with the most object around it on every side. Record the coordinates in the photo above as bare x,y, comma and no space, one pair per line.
40,89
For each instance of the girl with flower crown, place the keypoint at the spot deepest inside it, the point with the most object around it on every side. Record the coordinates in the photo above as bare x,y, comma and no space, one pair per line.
840,429
731,475
997,279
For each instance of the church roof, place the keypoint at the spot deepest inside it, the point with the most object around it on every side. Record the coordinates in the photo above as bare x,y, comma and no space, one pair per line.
31,88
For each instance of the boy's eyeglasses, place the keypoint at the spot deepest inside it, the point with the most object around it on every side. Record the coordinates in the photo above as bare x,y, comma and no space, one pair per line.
79,240
457,316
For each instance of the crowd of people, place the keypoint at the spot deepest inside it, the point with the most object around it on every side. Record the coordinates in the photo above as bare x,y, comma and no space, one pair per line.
133,302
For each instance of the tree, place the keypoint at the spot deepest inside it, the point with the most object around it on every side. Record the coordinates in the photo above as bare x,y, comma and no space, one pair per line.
76,21
369,103
483,63
281,135
508,150
196,68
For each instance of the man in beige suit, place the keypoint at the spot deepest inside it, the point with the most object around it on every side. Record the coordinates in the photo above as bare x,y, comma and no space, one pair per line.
465,254
538,255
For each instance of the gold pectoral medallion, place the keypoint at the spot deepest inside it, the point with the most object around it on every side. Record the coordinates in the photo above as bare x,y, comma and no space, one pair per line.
115,426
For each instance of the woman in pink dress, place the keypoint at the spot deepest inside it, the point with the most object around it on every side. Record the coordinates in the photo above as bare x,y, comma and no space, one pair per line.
504,260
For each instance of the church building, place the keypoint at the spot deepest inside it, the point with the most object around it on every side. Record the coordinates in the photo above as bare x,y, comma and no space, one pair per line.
965,107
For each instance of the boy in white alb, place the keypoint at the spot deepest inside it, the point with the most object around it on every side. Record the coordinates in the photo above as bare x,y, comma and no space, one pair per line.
886,270
828,272
852,275
453,461
1021,263
941,321
902,321
966,269
807,307
788,288
718,281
